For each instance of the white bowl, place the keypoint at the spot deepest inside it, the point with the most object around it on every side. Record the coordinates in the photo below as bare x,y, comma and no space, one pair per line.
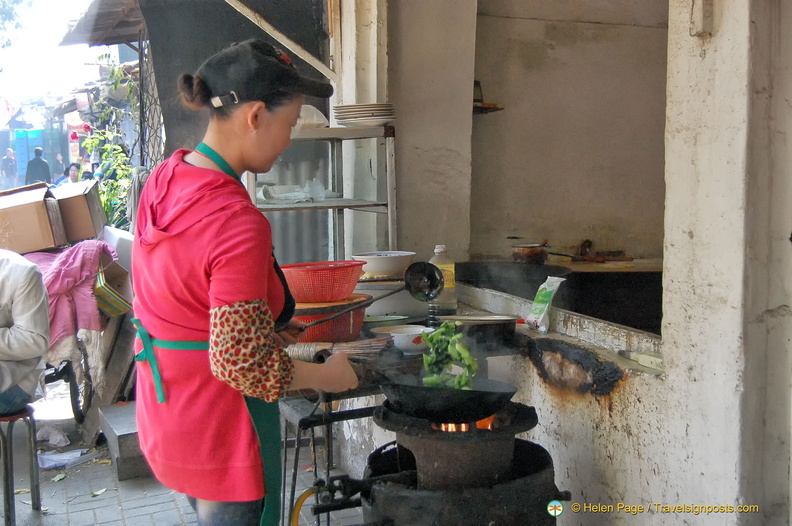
385,264
388,329
408,339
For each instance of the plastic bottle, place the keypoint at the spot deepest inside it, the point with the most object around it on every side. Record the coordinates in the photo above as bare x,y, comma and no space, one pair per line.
446,303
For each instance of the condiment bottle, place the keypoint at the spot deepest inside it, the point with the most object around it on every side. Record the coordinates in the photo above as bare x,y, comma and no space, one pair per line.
446,303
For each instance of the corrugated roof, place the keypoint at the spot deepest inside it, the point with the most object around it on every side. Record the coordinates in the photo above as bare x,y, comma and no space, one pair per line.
107,22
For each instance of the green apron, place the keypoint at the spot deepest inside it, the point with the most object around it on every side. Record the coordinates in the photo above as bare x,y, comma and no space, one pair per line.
264,415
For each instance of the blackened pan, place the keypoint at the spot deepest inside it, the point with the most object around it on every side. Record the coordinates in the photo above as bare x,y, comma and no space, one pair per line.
407,395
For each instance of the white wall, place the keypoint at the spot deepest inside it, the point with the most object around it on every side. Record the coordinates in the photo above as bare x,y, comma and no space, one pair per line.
430,60
767,317
714,429
577,153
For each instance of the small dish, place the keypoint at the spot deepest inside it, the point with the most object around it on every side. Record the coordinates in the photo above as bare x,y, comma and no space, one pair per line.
409,340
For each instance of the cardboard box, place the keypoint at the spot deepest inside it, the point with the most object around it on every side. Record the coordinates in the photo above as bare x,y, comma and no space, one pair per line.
121,240
81,209
113,288
30,219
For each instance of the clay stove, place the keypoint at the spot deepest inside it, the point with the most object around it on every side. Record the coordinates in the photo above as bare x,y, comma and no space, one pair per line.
475,474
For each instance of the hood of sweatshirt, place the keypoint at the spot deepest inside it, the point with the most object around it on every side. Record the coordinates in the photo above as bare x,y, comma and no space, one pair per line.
178,195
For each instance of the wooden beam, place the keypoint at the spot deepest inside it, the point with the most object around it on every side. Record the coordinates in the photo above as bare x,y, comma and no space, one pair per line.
122,14
283,39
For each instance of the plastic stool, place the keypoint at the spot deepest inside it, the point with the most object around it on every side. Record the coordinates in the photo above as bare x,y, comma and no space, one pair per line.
7,453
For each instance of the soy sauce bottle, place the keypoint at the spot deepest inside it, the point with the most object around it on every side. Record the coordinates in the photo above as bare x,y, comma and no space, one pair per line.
446,303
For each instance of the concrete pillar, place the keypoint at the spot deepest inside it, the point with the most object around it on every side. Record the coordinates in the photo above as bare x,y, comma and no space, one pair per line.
431,58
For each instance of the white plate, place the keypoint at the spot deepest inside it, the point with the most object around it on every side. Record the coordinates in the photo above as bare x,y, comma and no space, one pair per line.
363,123
364,110
364,114
362,106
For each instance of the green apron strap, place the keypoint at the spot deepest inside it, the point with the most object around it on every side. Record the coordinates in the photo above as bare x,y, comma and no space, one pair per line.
148,355
266,421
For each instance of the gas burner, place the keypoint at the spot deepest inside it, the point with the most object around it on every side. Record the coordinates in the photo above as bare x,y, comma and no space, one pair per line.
472,458
520,498
430,476
514,418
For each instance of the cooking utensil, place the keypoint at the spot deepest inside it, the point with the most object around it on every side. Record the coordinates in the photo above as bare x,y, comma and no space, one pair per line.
422,280
593,259
535,253
406,394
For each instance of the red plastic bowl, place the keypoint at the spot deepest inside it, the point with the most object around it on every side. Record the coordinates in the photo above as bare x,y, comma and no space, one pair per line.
322,281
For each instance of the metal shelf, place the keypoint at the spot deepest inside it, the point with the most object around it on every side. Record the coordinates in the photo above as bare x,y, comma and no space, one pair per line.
313,134
336,135
329,204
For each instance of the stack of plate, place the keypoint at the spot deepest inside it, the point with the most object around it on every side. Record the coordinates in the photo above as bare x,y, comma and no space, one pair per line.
364,114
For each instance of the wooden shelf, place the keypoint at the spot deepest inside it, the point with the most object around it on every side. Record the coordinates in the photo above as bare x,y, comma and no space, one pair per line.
341,132
380,207
485,107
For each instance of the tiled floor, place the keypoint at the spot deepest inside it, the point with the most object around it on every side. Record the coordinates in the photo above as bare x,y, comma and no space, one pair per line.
90,494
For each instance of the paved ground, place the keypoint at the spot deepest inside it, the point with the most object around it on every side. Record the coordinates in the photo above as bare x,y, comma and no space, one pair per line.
90,494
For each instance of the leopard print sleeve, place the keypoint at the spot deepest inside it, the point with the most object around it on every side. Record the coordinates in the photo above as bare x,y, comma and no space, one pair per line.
243,354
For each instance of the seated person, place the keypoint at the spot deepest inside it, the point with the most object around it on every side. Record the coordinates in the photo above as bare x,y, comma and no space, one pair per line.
24,331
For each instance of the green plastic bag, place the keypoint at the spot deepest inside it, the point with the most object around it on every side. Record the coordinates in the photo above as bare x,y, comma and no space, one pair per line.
539,317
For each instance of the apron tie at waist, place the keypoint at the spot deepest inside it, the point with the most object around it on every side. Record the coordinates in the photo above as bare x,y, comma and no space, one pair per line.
265,417
148,355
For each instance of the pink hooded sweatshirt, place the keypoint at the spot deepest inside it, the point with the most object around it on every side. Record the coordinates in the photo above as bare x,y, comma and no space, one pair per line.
199,244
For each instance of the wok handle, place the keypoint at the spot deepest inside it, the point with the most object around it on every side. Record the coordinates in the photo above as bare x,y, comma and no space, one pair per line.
355,306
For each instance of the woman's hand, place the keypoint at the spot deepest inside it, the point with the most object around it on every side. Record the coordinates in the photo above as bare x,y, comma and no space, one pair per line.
289,334
338,374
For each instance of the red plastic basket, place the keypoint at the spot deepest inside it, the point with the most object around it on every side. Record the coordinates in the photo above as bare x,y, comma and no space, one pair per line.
345,328
322,281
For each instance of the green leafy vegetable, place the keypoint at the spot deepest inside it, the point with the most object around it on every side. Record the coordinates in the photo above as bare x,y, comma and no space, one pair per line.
446,349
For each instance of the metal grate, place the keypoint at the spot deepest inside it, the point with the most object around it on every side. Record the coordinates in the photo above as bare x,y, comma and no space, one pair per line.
152,129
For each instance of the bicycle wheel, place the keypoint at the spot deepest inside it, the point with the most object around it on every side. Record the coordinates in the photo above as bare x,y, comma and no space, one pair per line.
80,389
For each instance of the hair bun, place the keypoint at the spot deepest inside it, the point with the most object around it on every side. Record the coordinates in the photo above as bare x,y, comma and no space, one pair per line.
194,92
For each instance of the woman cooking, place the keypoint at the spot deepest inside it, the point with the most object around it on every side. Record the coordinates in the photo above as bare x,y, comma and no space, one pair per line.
213,310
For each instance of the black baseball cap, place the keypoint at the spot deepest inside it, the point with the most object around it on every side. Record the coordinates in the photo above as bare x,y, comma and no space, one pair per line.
250,70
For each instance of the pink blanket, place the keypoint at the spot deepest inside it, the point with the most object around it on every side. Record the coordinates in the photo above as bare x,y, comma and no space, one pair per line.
69,276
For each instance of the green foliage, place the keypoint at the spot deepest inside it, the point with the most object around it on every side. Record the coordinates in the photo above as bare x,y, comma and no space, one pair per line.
114,202
107,139
8,18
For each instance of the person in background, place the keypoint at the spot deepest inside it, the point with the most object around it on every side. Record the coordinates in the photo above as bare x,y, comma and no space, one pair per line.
58,168
37,168
24,331
70,175
8,170
214,310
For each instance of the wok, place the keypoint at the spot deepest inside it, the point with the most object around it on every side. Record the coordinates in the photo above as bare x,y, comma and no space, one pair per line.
407,395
